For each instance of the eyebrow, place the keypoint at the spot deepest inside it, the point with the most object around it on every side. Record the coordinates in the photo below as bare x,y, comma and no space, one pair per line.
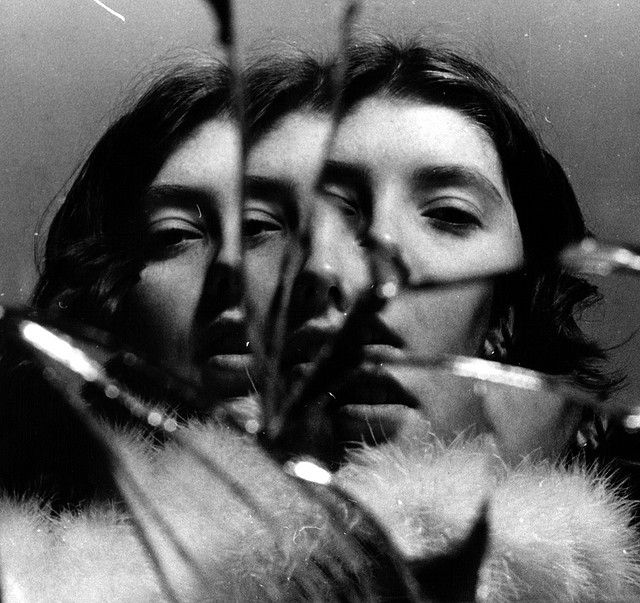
177,194
457,175
340,172
186,198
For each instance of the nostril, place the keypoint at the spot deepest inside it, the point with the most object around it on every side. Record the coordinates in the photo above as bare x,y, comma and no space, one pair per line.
314,294
337,298
224,284
310,290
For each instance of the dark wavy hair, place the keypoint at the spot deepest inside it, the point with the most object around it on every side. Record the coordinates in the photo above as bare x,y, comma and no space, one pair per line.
546,299
93,253
279,84
93,257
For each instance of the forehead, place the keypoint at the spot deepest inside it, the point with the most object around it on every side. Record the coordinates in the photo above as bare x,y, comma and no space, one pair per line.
397,136
293,147
206,159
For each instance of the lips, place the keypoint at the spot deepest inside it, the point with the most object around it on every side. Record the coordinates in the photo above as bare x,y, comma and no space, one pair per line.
370,406
369,335
223,337
225,358
359,377
366,402
372,385
304,345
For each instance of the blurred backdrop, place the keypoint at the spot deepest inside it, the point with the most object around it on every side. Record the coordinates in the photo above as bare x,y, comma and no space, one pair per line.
68,65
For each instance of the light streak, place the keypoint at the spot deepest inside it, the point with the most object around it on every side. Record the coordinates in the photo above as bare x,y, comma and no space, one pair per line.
110,10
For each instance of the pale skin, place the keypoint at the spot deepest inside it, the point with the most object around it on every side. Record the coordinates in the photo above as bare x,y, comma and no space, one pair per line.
428,182
186,302
283,169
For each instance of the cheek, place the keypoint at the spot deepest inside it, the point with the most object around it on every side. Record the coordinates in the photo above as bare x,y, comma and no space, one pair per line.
449,322
162,308
261,274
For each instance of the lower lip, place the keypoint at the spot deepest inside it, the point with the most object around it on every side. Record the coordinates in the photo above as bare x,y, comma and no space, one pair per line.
375,424
229,362
382,353
227,376
372,360
373,412
300,371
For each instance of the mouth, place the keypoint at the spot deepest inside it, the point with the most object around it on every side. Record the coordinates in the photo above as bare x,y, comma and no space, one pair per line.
366,402
372,407
225,357
369,340
224,339
303,348
372,385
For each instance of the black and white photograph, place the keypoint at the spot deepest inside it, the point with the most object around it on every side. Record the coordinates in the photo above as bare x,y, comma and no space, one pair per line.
320,300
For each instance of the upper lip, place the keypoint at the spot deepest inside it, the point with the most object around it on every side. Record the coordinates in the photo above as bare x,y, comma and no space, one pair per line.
376,332
223,336
306,342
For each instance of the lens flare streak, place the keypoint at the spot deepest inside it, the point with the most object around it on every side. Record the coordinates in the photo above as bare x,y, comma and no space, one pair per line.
54,346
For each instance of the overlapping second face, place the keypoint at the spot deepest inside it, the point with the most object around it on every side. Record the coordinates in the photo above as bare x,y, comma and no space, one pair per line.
187,301
426,182
282,203
423,180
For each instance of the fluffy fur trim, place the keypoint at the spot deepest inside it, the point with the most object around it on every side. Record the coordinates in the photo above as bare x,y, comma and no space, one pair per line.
555,534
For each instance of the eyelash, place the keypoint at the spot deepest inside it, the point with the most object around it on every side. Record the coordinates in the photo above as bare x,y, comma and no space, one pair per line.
452,219
167,242
259,225
349,208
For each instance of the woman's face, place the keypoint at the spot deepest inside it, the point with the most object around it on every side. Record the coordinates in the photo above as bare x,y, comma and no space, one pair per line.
186,304
282,172
428,181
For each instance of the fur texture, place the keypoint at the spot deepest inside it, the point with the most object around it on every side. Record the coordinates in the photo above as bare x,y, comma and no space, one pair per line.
555,534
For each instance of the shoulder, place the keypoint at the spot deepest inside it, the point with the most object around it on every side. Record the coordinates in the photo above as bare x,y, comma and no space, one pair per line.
554,532
252,532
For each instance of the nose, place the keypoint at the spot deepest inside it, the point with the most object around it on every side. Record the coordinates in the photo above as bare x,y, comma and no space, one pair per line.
223,286
392,257
329,278
223,280
317,288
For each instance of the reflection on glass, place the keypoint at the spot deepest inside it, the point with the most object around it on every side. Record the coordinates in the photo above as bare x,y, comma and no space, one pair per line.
384,279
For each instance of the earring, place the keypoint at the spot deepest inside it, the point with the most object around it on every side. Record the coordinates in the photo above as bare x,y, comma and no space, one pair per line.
498,340
493,346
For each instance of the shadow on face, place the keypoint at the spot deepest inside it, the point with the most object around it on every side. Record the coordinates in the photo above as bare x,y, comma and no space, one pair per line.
283,170
428,183
186,303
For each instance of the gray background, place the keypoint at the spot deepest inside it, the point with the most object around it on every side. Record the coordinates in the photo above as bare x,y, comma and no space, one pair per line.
67,66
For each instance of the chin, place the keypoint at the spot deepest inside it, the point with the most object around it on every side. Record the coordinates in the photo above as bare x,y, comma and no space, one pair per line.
378,424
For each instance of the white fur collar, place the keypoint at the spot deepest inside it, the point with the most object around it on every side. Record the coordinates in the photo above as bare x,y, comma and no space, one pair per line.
554,533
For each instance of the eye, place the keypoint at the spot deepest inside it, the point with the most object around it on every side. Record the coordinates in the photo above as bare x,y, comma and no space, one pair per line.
259,224
340,198
452,218
167,238
346,204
